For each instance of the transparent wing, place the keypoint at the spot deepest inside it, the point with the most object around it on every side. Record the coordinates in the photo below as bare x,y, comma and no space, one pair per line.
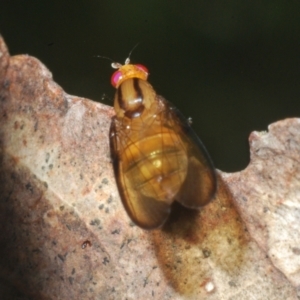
200,183
146,212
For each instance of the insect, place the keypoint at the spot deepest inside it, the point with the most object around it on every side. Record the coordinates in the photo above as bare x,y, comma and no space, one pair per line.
157,157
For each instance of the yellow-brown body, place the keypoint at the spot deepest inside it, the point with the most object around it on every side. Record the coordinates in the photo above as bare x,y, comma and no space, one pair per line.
156,155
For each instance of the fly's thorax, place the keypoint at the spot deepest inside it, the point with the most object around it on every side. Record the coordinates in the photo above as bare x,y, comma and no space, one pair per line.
133,98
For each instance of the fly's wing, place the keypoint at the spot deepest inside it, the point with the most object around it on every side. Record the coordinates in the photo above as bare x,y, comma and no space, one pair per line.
200,183
146,212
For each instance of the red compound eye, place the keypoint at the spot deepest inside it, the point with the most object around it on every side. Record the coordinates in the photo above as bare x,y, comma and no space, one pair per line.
143,68
128,71
115,78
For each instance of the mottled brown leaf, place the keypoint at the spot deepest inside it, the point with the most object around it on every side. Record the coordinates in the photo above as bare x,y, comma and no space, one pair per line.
65,235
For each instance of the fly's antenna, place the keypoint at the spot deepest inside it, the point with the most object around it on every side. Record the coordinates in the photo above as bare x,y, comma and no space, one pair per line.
127,61
105,57
114,64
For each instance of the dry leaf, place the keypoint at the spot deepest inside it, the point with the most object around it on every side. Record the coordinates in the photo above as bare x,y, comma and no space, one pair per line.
65,234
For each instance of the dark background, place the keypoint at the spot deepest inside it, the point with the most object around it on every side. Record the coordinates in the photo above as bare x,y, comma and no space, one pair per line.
233,66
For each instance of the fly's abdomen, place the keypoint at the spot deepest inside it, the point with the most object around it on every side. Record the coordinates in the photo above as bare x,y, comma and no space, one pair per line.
156,165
